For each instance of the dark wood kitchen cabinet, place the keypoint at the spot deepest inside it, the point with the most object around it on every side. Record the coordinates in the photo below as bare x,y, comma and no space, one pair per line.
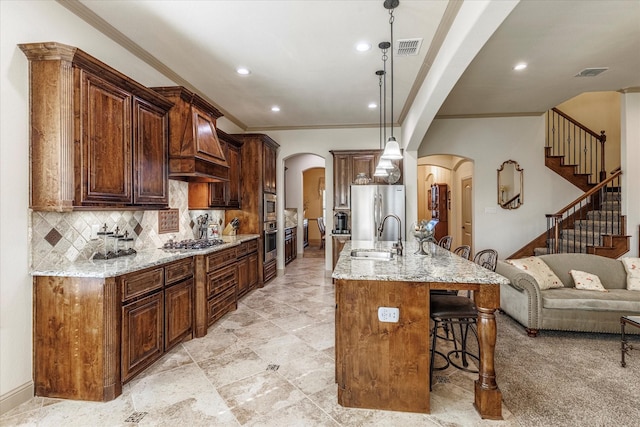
227,194
439,209
92,335
290,244
347,164
259,153
247,266
269,158
99,139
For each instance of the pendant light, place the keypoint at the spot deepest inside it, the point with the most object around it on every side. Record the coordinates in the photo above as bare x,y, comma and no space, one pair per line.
392,149
384,165
380,170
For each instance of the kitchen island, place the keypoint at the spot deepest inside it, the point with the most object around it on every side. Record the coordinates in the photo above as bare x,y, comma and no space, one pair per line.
382,355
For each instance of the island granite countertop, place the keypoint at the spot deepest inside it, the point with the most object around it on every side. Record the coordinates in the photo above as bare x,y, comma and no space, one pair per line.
440,265
139,261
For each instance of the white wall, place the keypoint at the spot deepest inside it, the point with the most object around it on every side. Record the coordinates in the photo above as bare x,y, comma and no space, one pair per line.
27,22
630,161
488,142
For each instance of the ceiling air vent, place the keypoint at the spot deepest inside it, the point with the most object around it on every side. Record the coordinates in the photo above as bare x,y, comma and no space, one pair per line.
591,72
408,47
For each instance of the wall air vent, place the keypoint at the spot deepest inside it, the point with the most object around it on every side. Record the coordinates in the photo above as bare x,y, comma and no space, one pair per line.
591,72
408,47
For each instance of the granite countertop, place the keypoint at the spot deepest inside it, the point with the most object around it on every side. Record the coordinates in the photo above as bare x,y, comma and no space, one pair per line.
141,260
439,266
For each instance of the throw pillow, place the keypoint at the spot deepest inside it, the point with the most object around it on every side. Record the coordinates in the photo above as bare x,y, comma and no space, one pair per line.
540,271
587,281
632,266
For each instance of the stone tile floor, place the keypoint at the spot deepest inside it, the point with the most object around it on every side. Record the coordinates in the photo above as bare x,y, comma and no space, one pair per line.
270,363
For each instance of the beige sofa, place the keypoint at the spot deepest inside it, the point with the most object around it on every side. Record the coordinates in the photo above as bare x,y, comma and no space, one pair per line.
567,308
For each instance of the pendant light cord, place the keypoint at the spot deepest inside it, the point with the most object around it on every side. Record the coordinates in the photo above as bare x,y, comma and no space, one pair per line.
391,19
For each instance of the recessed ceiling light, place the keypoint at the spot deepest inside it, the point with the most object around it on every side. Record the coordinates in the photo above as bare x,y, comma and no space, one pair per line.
275,108
243,71
519,67
363,46
373,105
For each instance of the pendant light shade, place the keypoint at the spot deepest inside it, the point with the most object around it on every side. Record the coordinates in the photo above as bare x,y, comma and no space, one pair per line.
392,150
385,164
380,171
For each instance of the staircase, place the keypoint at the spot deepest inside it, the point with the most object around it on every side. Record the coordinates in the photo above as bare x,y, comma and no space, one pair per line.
592,223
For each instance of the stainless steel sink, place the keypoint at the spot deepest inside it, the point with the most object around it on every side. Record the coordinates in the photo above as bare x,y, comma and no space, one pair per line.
370,254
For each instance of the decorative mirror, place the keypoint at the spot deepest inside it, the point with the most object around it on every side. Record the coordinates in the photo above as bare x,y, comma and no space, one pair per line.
510,185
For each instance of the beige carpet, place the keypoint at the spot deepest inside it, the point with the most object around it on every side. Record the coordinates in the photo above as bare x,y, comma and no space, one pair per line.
567,379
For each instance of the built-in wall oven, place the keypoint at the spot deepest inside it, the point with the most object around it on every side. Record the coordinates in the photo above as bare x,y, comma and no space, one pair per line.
269,207
270,231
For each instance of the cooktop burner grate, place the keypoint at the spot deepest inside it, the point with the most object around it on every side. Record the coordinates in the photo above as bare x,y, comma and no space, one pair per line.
194,244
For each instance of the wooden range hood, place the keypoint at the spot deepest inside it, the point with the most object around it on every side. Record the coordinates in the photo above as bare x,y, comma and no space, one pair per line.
195,152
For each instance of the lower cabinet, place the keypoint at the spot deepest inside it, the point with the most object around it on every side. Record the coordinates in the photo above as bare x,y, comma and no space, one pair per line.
142,334
290,244
153,323
269,270
247,267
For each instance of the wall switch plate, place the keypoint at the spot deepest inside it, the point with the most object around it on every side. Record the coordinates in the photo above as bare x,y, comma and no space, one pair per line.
389,314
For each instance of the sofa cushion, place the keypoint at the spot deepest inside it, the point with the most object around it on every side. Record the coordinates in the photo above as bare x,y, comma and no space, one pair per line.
540,271
575,299
632,267
610,271
586,281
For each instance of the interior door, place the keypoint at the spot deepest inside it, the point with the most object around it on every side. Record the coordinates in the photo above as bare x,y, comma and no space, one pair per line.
467,226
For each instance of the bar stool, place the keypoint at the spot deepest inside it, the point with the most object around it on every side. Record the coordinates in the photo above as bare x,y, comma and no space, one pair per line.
463,251
445,242
451,311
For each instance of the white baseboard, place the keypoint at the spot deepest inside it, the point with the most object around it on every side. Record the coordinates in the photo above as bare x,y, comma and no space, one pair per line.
16,397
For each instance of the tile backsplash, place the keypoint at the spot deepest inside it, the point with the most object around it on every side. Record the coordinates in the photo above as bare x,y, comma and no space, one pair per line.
62,238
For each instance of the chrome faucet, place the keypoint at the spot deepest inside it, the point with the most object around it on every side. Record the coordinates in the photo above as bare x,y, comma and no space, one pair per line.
398,245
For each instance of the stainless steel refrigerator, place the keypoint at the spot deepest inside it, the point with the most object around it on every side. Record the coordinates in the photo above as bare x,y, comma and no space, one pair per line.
370,204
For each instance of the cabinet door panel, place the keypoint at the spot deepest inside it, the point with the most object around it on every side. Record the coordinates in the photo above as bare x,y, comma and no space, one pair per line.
150,141
235,173
105,158
243,275
363,163
178,306
252,270
142,334
341,181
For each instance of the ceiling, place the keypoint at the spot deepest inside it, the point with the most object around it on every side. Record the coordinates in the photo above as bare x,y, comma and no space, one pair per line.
303,59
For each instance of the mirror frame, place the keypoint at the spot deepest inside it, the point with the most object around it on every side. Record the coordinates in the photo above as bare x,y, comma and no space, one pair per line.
510,204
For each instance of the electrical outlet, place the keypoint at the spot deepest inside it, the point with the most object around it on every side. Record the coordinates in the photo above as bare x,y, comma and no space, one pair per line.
389,314
94,231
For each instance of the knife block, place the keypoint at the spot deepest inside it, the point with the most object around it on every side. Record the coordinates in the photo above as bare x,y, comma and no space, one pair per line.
229,231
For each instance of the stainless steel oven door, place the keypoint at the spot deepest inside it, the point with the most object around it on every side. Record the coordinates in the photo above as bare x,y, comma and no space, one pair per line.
269,207
270,232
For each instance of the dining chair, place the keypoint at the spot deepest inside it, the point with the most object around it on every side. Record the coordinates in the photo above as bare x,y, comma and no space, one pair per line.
445,242
463,251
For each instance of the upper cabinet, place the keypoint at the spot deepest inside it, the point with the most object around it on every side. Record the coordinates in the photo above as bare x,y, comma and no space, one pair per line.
98,138
227,194
347,165
270,153
195,151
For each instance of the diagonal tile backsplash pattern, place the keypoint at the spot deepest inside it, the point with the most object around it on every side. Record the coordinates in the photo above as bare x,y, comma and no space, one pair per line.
62,238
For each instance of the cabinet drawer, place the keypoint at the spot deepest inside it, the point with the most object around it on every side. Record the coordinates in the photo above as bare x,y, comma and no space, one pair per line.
139,283
241,250
221,305
220,259
252,246
221,280
178,270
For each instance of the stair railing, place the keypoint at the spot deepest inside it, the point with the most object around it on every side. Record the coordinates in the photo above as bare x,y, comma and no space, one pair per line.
578,144
583,222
